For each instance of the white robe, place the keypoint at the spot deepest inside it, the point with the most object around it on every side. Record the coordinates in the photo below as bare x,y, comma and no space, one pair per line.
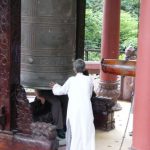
79,113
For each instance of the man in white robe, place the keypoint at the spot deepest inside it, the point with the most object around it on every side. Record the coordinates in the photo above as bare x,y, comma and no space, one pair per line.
80,127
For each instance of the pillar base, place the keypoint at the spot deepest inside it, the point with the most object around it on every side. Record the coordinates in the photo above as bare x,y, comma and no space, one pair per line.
110,89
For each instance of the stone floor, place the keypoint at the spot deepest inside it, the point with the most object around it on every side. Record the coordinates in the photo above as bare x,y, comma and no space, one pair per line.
112,140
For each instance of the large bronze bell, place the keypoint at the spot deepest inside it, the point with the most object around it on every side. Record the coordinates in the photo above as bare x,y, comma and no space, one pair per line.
48,36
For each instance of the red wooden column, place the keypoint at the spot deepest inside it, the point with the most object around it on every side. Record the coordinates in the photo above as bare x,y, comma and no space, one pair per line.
110,45
141,126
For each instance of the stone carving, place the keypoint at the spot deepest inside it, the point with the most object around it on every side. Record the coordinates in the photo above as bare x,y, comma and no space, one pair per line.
4,51
43,131
22,120
21,113
103,113
108,89
2,117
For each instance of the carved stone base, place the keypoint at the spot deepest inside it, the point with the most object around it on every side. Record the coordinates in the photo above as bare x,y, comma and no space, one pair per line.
24,142
109,89
27,135
103,113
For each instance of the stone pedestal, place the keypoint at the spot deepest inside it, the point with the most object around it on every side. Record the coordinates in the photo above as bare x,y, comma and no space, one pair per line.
109,89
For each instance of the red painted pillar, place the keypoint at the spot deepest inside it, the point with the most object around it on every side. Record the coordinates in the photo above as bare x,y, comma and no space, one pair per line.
141,126
110,44
110,34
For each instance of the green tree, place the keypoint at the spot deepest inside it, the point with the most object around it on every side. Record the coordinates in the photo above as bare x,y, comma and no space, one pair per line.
131,6
128,30
93,25
95,5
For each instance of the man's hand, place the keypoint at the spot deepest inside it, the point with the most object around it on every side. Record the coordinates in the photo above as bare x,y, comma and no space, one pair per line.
51,84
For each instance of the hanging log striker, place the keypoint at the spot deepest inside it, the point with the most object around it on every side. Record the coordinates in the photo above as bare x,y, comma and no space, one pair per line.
119,67
47,41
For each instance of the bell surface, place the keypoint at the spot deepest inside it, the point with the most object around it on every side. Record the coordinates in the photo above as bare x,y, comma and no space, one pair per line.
48,41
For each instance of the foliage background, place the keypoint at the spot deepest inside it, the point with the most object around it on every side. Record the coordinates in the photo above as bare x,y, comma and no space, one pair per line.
93,26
